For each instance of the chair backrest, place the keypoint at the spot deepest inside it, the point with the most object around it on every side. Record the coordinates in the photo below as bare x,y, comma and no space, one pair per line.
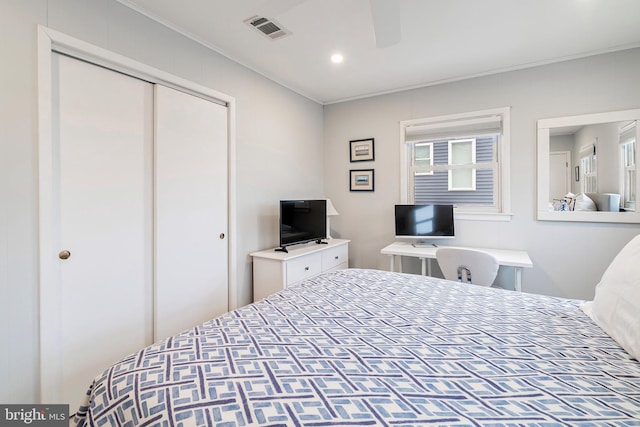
467,265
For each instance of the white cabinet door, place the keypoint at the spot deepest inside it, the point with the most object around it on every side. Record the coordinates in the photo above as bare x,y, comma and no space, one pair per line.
191,211
103,216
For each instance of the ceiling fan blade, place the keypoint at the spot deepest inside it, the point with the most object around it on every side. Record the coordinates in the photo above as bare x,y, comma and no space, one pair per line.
386,22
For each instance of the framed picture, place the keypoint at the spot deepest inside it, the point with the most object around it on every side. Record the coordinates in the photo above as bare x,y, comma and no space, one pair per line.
361,150
361,180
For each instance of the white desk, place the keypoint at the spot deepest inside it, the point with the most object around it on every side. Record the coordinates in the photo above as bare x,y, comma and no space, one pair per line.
509,258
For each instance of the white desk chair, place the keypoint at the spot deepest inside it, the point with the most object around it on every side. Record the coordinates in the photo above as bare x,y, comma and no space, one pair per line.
475,266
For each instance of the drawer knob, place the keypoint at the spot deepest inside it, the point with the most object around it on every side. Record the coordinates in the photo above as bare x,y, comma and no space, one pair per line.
336,257
306,269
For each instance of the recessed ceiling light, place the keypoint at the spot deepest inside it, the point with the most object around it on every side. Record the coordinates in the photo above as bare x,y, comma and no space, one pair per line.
337,58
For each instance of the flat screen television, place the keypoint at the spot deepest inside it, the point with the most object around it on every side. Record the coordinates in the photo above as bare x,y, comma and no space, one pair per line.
302,221
424,222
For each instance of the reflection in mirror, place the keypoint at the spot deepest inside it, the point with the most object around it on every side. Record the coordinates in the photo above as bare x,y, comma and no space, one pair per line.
586,167
593,160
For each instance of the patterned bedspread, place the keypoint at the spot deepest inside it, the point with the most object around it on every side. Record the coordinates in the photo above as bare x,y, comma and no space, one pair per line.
366,347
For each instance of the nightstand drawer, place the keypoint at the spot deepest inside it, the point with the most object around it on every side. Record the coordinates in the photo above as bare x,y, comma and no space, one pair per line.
303,268
334,257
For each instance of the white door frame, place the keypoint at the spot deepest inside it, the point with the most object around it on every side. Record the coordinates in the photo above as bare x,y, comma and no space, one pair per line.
50,41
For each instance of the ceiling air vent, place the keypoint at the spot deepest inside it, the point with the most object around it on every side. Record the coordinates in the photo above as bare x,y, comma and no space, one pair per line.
267,27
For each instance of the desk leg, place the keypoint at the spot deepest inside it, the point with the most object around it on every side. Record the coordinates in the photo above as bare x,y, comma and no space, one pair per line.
518,281
423,261
392,266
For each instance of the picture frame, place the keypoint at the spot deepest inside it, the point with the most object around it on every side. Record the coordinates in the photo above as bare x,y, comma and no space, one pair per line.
361,180
361,150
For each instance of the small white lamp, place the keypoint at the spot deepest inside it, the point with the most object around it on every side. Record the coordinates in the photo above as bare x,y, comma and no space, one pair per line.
331,211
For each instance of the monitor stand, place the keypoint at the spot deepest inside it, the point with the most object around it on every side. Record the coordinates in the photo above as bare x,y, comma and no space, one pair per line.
424,245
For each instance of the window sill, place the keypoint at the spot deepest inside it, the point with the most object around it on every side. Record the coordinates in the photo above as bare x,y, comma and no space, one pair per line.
483,216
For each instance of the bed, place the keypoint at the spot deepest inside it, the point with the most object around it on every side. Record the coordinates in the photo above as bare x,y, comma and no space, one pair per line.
368,347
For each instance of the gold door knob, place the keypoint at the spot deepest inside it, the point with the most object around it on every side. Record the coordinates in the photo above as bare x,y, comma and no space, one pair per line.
64,254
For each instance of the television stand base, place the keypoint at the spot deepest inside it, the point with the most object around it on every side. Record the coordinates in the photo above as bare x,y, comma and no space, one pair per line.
285,250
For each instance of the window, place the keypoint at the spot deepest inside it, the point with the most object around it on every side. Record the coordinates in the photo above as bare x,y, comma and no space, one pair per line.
460,159
588,164
629,175
628,164
462,153
423,158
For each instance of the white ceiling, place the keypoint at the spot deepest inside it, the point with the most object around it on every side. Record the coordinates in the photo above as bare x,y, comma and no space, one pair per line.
441,40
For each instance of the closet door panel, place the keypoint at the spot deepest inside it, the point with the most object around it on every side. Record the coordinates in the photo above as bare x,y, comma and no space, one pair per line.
103,136
191,210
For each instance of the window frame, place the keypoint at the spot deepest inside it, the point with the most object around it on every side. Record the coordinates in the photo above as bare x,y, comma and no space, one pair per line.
502,187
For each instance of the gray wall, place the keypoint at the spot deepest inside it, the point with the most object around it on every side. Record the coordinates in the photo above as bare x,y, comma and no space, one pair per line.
273,146
568,258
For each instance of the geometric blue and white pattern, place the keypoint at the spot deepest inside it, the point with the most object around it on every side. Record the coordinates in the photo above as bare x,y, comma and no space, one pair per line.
366,347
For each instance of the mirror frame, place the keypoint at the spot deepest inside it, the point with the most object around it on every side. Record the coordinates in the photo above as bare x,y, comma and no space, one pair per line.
544,126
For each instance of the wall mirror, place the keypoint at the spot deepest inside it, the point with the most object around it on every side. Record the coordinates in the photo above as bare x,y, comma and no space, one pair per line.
587,168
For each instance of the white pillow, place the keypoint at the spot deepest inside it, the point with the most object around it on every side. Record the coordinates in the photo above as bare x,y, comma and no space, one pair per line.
584,203
616,306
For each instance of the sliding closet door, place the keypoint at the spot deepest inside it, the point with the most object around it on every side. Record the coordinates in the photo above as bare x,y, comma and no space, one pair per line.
103,201
191,211
134,242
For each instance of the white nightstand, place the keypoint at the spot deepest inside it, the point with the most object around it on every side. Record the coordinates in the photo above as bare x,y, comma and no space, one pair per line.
274,271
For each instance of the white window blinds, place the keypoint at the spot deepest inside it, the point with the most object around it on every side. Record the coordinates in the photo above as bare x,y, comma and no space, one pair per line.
456,128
